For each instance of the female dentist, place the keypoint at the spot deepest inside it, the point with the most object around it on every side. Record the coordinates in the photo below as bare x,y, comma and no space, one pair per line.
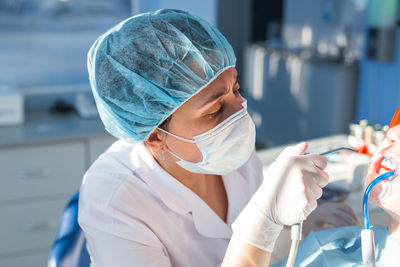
183,186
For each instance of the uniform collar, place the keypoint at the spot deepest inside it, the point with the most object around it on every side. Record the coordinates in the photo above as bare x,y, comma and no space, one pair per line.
182,200
165,187
207,222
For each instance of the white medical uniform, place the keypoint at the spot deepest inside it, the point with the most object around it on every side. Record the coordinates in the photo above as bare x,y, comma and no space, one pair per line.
133,213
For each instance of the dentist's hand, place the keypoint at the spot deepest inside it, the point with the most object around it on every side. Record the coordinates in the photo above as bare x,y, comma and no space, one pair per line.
287,195
292,185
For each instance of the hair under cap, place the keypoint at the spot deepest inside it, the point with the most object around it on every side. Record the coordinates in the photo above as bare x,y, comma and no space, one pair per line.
147,66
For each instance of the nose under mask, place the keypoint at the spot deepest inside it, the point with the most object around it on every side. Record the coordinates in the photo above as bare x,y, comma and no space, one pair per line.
224,148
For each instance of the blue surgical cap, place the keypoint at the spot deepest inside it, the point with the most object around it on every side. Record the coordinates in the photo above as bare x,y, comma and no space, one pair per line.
147,66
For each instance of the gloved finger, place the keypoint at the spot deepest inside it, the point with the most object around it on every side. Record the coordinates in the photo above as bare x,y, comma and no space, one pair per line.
299,149
318,160
312,162
312,205
321,178
295,150
313,191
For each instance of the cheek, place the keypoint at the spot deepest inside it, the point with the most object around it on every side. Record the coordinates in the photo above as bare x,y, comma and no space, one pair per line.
186,150
391,199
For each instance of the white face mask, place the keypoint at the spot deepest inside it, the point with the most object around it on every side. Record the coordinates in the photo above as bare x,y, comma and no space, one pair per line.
225,148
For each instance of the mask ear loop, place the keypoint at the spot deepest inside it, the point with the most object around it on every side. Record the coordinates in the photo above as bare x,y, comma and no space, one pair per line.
173,135
181,138
163,147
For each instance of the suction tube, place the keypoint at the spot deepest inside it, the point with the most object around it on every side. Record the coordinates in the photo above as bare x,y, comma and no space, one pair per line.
366,195
367,235
296,233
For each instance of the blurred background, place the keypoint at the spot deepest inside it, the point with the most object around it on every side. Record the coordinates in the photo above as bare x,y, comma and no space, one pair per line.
309,69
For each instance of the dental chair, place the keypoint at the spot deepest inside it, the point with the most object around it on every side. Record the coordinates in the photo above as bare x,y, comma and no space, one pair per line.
69,248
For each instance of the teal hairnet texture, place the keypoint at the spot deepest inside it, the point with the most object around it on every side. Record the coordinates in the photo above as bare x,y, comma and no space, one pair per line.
147,66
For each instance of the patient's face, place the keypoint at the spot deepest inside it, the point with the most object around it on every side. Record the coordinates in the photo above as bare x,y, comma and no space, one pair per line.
387,193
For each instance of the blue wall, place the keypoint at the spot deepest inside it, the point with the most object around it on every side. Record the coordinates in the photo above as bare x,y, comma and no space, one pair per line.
206,9
379,89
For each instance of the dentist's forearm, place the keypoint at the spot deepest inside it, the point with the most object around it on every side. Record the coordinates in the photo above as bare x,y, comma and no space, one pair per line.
242,254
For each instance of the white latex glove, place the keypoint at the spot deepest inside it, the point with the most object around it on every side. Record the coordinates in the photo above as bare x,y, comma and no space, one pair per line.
329,214
287,195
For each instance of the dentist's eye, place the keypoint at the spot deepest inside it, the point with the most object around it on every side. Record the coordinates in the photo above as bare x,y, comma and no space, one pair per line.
237,91
216,113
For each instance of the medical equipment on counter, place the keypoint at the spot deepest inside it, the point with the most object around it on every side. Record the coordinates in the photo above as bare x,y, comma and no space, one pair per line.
296,229
367,136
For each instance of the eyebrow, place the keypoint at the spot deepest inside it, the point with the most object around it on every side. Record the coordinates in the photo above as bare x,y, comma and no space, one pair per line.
217,95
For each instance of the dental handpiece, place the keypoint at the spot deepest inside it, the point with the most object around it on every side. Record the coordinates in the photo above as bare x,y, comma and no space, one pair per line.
338,149
296,229
335,150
